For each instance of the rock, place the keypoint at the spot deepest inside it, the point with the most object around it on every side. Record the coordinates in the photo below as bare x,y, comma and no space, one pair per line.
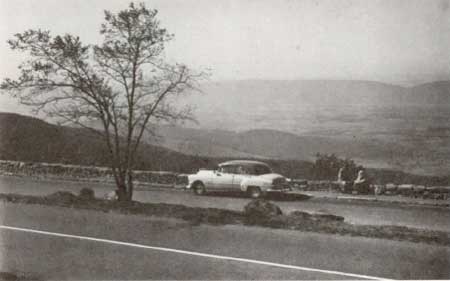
262,208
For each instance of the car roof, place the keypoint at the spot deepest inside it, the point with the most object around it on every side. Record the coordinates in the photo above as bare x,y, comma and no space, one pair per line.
243,162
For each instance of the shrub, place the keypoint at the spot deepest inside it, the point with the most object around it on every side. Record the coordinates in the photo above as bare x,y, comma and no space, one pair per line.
87,194
259,211
326,167
64,197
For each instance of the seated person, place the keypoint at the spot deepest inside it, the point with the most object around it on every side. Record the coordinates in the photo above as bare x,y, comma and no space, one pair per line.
361,184
344,180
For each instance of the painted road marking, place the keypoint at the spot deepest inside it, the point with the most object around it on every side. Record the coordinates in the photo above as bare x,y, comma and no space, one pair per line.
184,252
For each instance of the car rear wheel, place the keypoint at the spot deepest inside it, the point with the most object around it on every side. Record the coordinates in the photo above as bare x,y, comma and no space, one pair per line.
199,188
254,192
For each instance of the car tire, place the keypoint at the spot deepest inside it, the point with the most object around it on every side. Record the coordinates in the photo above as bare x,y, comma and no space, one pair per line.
199,188
254,192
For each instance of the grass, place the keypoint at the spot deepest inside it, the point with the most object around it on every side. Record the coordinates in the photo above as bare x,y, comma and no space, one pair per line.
301,221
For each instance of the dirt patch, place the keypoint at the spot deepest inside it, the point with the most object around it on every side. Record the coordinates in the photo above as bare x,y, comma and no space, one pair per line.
297,220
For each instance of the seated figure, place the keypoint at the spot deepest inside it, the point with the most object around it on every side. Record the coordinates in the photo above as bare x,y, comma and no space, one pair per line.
344,181
361,184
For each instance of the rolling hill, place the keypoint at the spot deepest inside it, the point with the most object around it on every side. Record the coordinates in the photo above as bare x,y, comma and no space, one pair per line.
273,144
24,138
380,125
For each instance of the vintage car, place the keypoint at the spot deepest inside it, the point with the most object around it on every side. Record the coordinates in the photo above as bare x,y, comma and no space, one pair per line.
253,177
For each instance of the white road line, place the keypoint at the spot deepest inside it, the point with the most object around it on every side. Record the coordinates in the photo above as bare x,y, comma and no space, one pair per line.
280,265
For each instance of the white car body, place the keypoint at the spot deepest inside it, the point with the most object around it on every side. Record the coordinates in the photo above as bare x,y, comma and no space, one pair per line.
253,177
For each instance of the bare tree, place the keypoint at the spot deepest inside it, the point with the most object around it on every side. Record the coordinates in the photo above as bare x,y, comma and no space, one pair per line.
124,83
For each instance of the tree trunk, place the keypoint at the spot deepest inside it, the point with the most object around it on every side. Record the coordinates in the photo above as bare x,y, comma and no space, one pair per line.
122,194
130,185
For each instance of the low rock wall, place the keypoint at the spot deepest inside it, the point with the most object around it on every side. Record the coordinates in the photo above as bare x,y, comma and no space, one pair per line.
85,173
409,190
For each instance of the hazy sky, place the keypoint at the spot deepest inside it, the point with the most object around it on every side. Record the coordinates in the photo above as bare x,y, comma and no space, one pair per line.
405,41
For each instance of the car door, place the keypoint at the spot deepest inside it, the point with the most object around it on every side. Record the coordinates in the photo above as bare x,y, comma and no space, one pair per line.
223,178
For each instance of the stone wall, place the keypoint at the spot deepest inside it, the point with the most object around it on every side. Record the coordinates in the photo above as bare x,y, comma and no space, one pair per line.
409,190
85,173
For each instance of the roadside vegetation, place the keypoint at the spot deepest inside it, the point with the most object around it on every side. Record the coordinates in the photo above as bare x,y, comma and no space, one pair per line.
259,213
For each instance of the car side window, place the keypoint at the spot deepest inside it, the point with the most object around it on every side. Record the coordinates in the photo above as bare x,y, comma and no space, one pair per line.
228,169
241,170
261,170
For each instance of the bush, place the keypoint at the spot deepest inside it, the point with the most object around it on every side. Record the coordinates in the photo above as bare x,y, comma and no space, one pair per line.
326,167
87,194
64,197
259,211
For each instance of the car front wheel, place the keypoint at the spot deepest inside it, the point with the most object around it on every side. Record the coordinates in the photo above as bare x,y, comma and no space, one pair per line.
254,192
199,188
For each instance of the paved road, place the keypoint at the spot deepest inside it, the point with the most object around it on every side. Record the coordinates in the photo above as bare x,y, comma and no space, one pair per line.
50,257
372,213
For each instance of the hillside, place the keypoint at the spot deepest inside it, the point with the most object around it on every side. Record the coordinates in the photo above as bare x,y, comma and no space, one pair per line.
258,143
435,93
24,138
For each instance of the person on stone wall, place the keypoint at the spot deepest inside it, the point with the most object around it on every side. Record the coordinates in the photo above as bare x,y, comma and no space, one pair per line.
344,180
361,184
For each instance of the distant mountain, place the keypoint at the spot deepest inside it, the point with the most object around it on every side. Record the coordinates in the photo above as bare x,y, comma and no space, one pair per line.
431,93
300,106
381,124
326,92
